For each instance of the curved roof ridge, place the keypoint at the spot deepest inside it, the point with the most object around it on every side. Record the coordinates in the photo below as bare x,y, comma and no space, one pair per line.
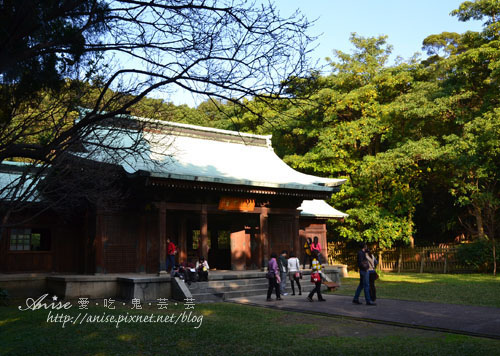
204,129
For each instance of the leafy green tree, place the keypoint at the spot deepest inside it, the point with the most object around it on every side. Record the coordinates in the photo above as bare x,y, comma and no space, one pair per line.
469,76
41,44
351,127
475,156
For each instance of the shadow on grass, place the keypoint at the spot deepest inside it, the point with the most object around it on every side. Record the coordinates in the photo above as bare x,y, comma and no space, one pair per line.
228,330
466,289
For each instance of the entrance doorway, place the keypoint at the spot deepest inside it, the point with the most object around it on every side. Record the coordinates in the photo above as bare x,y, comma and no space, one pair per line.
231,240
219,247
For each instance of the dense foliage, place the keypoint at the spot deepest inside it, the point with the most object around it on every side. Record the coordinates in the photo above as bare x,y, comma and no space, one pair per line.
477,255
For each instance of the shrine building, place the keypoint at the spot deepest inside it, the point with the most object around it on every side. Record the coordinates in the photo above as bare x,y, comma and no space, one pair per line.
221,194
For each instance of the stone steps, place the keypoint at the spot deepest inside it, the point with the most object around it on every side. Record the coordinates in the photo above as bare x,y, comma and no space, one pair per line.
236,285
218,291
225,286
227,289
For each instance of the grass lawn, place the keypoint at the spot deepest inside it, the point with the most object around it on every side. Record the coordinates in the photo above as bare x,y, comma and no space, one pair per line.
468,289
227,329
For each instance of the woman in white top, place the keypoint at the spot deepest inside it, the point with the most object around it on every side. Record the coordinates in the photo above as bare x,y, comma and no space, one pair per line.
202,269
372,264
294,272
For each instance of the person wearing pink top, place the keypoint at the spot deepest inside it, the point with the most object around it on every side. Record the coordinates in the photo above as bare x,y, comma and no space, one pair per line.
273,275
316,246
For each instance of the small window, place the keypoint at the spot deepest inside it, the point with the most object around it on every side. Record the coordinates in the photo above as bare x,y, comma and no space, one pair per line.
224,240
197,239
29,240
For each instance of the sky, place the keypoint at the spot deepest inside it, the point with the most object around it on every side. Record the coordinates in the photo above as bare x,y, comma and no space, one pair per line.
406,23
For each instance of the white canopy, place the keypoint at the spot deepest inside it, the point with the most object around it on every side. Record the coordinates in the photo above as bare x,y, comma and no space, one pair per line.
319,209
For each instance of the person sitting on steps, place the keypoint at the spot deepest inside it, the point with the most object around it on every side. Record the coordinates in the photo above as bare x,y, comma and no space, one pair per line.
307,250
202,269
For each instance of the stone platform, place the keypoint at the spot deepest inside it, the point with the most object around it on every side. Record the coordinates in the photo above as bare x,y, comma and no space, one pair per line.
74,286
222,284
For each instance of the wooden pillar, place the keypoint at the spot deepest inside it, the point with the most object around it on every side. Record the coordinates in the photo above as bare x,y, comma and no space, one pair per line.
296,237
99,243
142,246
400,260
264,235
256,247
183,240
324,245
88,260
162,234
204,231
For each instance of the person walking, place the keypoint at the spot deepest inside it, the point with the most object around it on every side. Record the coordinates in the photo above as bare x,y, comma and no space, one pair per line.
283,268
307,250
273,276
364,282
372,274
316,279
294,272
316,246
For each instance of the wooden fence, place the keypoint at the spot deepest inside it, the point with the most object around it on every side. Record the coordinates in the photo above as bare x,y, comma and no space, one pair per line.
418,259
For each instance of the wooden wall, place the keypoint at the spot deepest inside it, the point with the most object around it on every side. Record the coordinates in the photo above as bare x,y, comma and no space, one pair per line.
119,233
67,246
281,233
130,242
311,228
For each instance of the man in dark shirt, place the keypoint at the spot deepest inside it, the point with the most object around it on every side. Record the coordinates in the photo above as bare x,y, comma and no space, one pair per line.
283,267
364,277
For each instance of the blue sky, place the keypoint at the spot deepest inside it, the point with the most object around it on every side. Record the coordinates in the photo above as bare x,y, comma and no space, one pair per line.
406,23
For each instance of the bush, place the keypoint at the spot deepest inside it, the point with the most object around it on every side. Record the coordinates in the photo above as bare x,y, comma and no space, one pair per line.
4,296
478,255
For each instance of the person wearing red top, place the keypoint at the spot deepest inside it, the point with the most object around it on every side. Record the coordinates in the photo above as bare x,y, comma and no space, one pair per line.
171,251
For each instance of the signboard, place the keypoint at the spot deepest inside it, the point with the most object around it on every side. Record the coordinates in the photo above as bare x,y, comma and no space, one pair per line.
240,204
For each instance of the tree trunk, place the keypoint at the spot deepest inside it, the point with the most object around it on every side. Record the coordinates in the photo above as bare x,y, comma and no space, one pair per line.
489,221
494,256
479,222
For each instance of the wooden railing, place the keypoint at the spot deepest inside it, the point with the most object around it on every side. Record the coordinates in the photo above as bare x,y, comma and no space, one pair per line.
430,259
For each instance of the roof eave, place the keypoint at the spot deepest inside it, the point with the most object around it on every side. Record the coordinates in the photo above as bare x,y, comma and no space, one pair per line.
233,181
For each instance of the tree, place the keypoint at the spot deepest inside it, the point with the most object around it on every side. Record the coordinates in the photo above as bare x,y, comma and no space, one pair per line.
349,127
469,75
57,56
476,154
